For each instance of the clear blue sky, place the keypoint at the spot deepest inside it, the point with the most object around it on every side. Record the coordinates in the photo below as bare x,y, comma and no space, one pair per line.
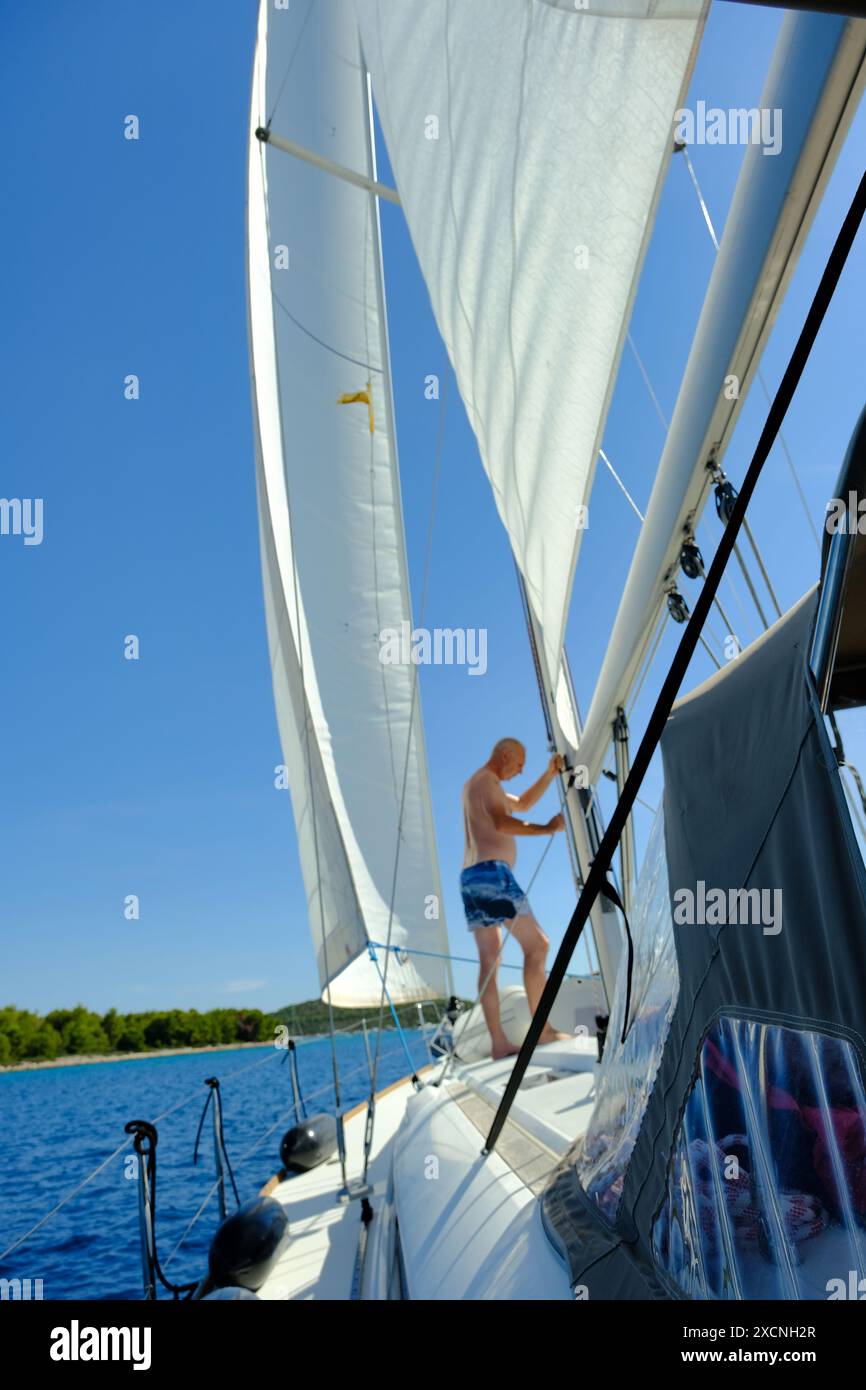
156,777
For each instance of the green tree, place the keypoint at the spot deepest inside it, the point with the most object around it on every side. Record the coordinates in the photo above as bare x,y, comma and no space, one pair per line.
112,1023
45,1043
131,1037
83,1033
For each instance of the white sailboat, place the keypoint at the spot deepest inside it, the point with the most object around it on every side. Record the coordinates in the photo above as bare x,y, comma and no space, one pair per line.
509,125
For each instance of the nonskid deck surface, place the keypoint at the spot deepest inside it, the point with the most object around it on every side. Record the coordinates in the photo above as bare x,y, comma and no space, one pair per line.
555,1098
552,1108
320,1260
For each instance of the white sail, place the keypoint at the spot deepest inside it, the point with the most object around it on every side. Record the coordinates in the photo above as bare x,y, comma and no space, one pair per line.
333,554
528,141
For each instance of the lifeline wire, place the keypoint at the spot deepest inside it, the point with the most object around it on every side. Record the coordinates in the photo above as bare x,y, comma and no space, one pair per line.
178,1105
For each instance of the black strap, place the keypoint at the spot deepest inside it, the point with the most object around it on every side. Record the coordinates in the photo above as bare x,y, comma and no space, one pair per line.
597,875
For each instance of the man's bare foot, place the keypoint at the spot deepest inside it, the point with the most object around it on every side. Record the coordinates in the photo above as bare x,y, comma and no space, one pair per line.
504,1049
550,1035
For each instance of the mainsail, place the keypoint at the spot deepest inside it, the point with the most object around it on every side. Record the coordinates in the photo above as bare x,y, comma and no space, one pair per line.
333,553
528,140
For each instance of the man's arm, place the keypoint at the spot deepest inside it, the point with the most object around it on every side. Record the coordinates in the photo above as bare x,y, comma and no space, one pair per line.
500,807
537,790
524,827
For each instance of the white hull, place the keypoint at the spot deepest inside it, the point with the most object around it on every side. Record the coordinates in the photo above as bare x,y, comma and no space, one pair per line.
467,1226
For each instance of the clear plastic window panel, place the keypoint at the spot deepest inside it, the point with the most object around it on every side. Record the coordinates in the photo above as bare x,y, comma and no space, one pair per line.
766,1193
628,1070
851,727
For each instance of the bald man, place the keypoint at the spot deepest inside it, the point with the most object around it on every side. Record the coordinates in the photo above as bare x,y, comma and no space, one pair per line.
491,894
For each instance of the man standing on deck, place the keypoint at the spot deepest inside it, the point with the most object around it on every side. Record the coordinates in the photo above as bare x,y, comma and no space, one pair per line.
491,894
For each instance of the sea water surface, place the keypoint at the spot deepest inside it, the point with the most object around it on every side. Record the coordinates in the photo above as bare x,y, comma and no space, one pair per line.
57,1125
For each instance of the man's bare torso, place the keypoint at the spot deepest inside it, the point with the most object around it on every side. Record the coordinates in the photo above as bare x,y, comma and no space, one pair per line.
482,797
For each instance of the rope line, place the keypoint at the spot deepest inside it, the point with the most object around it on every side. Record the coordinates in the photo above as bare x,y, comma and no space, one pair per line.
634,506
656,643
766,578
710,653
356,361
752,590
649,386
425,587
461,960
68,1198
291,62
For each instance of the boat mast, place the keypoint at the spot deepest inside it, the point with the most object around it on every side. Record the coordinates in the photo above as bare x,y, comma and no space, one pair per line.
583,826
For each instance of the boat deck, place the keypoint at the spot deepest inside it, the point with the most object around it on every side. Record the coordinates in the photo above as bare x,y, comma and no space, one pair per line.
320,1260
448,1123
556,1095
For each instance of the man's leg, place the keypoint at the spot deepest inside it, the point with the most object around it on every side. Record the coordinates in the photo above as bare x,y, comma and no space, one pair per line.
534,945
488,952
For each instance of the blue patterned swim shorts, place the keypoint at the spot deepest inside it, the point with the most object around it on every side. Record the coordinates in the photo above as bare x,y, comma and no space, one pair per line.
491,894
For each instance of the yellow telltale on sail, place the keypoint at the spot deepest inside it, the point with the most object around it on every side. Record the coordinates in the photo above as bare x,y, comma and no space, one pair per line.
352,398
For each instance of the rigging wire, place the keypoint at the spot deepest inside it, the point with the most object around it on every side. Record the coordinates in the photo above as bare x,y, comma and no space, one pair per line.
291,62
752,590
425,587
649,386
666,426
447,955
766,578
356,361
710,544
662,622
68,1198
710,653
635,508
382,976
729,627
611,776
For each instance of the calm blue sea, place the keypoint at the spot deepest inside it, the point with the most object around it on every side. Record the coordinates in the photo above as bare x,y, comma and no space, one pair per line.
57,1125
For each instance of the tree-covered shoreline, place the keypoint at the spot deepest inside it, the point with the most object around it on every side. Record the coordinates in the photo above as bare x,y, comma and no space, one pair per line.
79,1032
